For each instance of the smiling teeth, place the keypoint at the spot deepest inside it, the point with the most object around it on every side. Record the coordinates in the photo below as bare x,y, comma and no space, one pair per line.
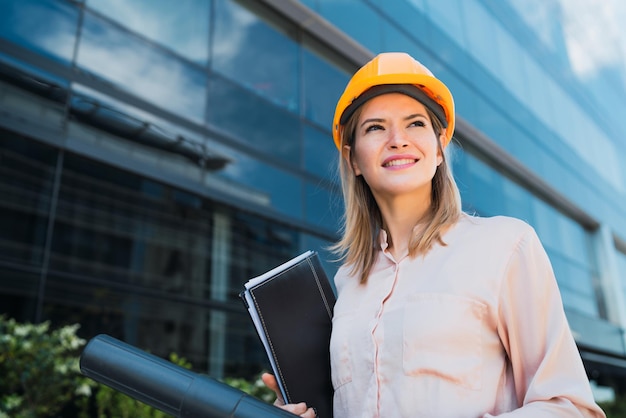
399,162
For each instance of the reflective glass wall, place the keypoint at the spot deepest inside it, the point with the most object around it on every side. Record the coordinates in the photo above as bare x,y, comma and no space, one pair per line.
154,156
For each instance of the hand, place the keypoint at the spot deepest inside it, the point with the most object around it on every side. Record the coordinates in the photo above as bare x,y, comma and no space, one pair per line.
299,409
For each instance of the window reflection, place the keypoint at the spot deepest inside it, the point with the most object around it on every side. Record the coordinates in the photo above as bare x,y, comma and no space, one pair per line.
139,127
182,26
282,189
46,26
320,153
255,121
621,270
142,69
19,293
255,54
322,85
323,206
158,266
26,182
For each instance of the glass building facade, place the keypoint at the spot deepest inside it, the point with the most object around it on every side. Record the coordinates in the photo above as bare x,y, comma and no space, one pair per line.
156,155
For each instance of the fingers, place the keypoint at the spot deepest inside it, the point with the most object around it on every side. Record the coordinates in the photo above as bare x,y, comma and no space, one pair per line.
300,409
295,408
270,381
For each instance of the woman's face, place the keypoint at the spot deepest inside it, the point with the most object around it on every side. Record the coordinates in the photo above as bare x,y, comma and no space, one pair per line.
395,147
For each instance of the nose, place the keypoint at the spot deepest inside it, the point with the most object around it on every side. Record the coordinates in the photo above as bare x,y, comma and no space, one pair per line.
397,139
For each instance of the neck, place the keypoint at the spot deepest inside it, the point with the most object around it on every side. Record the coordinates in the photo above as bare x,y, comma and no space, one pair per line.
401,214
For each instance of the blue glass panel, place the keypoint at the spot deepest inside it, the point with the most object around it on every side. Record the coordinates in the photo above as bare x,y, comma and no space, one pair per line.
251,52
621,271
517,201
512,71
356,18
182,26
409,26
150,73
46,26
320,153
448,15
486,185
323,83
546,224
27,171
281,190
252,119
480,28
323,207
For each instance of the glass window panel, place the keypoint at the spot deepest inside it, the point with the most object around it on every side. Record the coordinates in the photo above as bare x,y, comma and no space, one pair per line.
517,201
539,100
512,72
29,93
575,284
448,15
356,18
250,51
114,126
144,262
182,26
323,207
45,26
320,153
621,270
574,240
148,72
255,121
19,293
268,185
136,315
323,83
487,185
546,224
408,27
27,171
480,29
580,303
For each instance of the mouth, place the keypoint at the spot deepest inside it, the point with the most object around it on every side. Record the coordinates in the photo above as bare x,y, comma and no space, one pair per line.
398,162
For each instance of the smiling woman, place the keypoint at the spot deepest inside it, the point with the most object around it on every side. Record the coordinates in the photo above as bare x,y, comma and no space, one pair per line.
428,319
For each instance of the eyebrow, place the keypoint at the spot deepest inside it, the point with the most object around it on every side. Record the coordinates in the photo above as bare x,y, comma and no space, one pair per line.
413,116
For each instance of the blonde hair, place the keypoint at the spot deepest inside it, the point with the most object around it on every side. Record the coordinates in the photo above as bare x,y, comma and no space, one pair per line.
362,219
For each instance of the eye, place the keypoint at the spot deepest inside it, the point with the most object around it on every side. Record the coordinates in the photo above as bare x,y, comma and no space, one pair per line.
373,127
418,122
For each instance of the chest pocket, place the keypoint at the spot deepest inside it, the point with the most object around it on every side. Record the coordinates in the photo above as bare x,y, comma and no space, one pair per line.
442,338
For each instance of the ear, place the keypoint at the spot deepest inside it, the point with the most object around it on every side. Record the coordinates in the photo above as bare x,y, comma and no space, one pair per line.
346,154
442,140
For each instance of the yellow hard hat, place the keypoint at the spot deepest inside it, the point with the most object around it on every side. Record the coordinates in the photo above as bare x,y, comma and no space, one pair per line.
398,72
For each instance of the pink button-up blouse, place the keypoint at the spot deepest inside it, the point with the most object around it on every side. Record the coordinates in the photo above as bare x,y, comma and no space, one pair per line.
475,328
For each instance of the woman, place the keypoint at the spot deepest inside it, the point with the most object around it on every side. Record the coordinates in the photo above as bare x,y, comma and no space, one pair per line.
439,314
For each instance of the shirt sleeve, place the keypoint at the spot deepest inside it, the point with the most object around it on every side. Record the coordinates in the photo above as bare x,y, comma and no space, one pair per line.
549,376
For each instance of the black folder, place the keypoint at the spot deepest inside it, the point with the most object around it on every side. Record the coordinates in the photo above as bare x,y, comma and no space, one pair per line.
291,307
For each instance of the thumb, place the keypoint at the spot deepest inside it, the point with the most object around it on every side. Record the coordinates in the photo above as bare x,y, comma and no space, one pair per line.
271,383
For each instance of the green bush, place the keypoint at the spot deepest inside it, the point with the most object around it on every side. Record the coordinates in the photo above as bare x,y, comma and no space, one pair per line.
39,369
40,377
254,387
